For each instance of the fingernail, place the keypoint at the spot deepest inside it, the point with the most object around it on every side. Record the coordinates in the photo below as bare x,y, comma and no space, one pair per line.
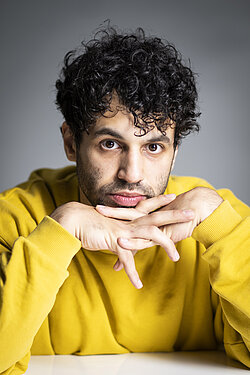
124,240
176,256
139,284
188,213
170,196
100,206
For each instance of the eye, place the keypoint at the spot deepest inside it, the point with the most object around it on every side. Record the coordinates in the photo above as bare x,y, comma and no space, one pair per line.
154,148
109,144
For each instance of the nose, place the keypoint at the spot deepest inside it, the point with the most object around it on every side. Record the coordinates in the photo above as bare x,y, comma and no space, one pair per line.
131,167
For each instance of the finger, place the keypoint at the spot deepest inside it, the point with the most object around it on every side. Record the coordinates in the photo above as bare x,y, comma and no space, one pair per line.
165,217
142,208
152,204
118,266
154,234
127,260
135,243
119,213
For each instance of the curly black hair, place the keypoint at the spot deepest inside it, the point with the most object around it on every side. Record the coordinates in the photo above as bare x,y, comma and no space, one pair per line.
147,74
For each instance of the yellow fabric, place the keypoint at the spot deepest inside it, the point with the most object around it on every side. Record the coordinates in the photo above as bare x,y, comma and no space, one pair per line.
57,298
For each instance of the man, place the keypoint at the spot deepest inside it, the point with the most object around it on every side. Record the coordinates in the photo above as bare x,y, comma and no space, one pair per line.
127,101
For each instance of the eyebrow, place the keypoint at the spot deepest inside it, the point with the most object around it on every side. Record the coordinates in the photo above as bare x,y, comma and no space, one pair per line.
115,134
108,131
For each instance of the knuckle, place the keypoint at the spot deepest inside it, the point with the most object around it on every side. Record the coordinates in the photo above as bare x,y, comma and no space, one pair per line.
139,213
141,209
177,214
125,256
152,230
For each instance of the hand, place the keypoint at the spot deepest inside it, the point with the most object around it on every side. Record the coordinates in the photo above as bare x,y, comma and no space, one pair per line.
144,210
199,203
97,232
202,201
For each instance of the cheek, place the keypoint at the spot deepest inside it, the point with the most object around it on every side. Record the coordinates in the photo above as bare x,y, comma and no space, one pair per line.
104,167
157,174
159,168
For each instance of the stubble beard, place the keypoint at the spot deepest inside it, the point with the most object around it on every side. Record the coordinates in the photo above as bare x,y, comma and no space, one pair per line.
88,180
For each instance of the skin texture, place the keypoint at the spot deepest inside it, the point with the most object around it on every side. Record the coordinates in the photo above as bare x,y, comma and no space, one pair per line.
123,162
126,175
197,204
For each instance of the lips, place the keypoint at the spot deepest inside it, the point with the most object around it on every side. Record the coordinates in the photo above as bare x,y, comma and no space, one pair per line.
127,199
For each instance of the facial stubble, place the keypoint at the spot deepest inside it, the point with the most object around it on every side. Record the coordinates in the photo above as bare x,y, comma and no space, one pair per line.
88,177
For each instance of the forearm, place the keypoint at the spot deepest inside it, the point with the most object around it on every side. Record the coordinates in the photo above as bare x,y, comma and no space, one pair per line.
33,276
225,235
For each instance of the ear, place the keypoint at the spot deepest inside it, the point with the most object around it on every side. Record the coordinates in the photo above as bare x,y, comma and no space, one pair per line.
69,142
175,154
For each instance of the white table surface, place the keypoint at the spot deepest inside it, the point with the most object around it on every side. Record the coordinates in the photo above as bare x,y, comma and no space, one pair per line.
177,363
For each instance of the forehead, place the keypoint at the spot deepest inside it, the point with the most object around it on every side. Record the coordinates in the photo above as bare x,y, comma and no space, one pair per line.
120,123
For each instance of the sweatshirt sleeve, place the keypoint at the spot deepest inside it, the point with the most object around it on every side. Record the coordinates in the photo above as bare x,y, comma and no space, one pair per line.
31,273
226,237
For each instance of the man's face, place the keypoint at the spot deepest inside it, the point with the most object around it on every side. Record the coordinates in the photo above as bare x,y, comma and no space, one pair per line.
117,168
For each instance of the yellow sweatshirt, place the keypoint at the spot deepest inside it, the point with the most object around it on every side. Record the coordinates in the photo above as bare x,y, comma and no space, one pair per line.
57,298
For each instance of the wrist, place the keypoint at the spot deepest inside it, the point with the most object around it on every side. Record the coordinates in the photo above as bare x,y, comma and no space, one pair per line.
66,215
205,201
218,225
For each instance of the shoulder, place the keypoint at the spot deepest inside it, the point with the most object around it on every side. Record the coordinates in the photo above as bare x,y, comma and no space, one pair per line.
52,176
41,184
24,206
181,184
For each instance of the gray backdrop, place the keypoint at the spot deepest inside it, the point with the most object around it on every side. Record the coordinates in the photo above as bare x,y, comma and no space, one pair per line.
214,34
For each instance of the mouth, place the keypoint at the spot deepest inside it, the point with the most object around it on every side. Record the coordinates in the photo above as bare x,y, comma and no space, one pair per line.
127,199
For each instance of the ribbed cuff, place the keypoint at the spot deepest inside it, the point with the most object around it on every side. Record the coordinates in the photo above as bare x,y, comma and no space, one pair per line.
220,223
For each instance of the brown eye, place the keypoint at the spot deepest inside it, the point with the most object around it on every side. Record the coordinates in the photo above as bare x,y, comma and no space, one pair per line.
109,144
154,148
